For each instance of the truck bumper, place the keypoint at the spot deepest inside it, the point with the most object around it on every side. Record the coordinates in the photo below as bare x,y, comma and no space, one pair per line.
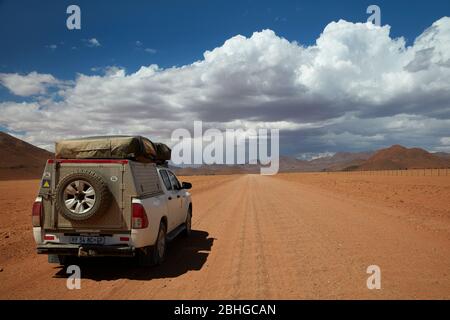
81,250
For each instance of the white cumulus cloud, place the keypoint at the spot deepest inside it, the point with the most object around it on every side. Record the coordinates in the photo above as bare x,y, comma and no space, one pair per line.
356,87
29,84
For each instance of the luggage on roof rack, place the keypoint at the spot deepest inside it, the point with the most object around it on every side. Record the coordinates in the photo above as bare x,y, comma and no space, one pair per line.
136,148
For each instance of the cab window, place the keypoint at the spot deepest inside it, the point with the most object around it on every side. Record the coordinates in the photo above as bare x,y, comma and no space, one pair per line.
165,179
175,183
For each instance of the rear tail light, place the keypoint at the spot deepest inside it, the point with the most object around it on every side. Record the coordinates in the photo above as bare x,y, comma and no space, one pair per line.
37,212
49,237
139,217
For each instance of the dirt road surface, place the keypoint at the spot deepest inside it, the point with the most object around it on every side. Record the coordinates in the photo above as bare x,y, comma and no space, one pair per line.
293,236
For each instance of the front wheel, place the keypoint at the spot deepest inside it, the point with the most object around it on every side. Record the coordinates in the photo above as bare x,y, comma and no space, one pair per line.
188,223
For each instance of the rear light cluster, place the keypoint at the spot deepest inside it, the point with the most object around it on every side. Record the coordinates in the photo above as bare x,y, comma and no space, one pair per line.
37,212
139,217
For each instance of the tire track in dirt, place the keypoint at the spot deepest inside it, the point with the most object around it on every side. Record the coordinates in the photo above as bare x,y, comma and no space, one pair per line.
291,242
274,229
220,222
210,209
262,272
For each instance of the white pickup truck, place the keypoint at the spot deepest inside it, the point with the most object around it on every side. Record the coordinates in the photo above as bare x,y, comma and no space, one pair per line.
109,207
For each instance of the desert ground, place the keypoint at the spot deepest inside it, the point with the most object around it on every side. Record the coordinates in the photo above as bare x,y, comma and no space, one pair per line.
290,236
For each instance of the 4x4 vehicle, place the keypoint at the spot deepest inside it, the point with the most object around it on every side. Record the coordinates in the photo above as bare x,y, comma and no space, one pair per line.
91,207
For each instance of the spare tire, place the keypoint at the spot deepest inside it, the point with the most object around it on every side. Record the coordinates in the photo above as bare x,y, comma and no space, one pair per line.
82,195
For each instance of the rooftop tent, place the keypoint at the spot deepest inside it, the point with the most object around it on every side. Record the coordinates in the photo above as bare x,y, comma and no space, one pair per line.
113,147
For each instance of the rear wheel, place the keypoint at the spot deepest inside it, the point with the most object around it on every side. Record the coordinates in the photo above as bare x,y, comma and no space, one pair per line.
154,255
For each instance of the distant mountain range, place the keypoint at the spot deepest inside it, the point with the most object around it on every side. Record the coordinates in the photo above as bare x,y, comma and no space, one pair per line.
340,161
442,155
392,158
25,161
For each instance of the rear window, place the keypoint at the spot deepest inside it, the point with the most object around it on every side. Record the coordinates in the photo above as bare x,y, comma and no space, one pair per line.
165,179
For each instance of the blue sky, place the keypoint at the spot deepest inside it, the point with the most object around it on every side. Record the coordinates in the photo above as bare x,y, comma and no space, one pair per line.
330,87
179,31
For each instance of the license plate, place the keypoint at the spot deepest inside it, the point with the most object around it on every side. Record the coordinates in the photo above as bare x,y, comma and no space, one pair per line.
87,240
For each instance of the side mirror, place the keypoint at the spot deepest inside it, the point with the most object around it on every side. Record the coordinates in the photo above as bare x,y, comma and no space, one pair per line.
186,185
